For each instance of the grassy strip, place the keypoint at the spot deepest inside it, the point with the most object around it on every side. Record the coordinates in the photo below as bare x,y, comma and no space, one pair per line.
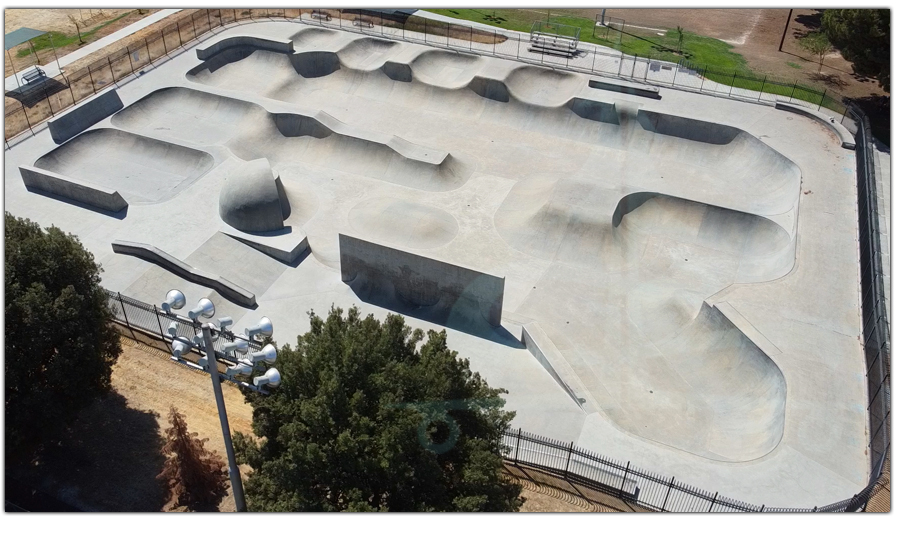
61,40
711,58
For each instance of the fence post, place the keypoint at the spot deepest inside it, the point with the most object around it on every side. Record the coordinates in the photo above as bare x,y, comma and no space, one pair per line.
180,40
426,30
193,26
703,78
162,36
518,440
624,477
209,19
495,42
763,508
765,77
730,89
666,500
158,322
111,72
569,458
122,303
792,91
594,61
713,503
471,36
825,92
25,114
93,87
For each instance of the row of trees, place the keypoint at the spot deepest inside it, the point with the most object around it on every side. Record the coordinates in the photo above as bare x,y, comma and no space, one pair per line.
370,415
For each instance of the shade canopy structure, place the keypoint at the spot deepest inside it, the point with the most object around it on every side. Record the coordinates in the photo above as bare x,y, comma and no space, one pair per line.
21,35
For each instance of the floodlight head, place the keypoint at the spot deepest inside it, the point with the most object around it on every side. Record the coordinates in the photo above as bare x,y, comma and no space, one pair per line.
241,368
268,354
205,308
179,348
174,301
264,327
225,323
272,377
172,330
239,345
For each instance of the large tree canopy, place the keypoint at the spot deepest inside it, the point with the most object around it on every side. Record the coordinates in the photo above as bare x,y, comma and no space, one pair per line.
60,344
365,419
864,38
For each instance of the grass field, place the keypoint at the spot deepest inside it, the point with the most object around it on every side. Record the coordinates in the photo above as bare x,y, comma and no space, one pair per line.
60,40
712,58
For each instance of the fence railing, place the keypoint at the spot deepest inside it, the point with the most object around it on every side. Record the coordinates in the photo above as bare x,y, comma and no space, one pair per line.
624,481
66,90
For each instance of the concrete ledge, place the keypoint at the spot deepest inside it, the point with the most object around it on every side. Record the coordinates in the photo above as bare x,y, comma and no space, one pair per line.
275,45
539,345
639,90
402,280
846,138
284,247
85,115
228,289
63,186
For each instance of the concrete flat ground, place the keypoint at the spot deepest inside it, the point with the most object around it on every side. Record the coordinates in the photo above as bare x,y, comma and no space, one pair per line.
688,265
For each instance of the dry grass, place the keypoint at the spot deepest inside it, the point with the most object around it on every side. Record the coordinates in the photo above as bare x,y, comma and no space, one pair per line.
548,493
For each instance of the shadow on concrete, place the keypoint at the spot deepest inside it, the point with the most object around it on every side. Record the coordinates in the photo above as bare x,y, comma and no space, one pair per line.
121,214
463,320
107,460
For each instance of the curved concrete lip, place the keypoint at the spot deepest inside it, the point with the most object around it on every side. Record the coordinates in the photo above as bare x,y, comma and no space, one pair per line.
403,223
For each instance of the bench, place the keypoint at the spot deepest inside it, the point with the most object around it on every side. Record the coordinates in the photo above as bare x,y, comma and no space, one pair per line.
361,22
316,14
551,44
35,74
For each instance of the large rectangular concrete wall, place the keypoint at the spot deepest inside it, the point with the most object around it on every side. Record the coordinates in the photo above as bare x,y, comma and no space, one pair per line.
417,281
63,186
276,45
84,116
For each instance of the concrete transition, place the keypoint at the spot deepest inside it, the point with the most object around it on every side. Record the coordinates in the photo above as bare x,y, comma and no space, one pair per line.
69,188
226,288
141,168
660,276
446,293
84,116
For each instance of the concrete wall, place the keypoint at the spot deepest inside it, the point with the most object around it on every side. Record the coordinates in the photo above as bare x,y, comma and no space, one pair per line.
450,292
276,45
85,115
50,182
228,289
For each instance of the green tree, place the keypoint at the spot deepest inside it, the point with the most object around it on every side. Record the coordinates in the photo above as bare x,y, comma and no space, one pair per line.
375,416
196,476
864,38
818,44
60,344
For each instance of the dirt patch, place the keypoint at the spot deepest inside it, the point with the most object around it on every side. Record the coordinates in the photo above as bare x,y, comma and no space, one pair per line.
109,458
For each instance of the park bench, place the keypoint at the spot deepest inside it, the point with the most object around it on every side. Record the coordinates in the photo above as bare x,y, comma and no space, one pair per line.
316,14
35,74
361,23
552,44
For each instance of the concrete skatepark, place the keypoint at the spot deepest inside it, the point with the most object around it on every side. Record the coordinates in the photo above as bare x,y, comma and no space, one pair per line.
668,281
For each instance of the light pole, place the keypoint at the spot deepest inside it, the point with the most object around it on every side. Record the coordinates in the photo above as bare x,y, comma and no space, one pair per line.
238,366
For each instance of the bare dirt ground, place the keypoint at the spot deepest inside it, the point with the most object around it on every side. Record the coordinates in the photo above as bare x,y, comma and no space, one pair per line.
756,35
110,457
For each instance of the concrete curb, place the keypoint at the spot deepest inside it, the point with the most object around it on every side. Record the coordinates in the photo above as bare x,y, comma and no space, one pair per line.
149,253
846,138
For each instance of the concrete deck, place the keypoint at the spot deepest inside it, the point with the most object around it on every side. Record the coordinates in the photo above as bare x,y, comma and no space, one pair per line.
692,260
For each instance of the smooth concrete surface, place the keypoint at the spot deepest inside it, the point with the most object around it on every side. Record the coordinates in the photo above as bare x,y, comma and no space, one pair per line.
151,254
691,261
848,141
445,293
49,182
85,115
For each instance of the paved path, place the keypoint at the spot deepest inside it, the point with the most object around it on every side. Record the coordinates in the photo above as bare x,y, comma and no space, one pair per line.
52,69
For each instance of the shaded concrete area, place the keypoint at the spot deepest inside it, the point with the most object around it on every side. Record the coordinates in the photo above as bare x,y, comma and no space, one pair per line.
689,263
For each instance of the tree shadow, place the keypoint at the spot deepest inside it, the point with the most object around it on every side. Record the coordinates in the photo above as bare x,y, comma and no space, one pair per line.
810,21
107,460
833,81
878,109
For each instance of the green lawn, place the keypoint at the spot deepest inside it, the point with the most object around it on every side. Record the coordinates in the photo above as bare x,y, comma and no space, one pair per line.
713,58
61,40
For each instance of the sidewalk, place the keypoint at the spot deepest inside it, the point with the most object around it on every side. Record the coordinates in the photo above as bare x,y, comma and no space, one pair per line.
51,69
